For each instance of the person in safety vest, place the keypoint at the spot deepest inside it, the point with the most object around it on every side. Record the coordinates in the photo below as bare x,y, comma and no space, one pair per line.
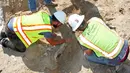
99,43
22,31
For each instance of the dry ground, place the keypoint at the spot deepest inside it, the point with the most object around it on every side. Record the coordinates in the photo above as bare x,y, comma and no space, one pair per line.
34,60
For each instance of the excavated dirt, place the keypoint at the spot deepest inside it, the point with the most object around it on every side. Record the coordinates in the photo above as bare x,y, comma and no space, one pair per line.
69,59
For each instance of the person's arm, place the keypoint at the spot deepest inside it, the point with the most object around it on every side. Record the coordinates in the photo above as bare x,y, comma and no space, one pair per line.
88,52
55,42
50,38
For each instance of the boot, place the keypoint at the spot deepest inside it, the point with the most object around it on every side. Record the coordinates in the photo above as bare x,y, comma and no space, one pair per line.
2,35
6,43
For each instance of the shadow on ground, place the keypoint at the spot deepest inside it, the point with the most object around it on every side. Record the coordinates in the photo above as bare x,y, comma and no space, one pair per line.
71,60
83,7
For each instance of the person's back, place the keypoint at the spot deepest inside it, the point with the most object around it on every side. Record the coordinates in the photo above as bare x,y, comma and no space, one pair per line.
99,43
30,26
22,31
101,39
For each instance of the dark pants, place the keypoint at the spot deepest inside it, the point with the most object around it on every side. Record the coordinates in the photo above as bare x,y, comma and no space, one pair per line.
14,42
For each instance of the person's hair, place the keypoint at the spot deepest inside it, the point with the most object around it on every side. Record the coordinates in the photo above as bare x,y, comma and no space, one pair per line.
83,26
54,18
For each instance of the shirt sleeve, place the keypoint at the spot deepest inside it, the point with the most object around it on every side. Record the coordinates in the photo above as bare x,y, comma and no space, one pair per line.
46,34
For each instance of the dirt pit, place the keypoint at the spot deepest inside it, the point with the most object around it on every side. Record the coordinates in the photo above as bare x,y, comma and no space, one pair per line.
114,12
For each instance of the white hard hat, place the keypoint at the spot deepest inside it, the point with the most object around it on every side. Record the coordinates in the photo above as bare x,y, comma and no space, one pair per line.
75,21
61,16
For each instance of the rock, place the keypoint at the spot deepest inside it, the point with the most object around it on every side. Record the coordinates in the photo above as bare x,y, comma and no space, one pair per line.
0,71
121,10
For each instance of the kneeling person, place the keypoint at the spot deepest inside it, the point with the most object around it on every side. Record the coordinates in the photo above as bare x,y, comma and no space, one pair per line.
99,43
22,31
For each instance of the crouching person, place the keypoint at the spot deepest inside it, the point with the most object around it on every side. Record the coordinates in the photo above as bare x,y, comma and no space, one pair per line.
22,31
99,43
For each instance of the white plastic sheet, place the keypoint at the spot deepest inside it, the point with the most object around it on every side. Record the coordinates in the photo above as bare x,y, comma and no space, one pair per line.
1,16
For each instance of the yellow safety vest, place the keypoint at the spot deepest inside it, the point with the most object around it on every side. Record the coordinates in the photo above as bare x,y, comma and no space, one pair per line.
100,39
28,27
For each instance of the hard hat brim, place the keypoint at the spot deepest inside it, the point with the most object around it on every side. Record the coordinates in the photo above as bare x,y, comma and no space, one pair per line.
60,16
81,20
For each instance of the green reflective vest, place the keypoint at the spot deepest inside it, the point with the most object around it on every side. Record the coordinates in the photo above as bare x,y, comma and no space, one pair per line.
28,27
99,38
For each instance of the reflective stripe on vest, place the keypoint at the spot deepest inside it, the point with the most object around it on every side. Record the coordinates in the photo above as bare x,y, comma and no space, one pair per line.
19,29
108,55
38,27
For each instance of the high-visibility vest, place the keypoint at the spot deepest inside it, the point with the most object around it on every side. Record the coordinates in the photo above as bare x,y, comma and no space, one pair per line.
28,27
99,38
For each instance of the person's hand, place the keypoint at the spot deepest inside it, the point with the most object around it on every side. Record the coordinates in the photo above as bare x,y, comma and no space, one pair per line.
54,35
68,40
88,52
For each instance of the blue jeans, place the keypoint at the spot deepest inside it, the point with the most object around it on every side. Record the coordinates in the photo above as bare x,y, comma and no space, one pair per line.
32,4
103,60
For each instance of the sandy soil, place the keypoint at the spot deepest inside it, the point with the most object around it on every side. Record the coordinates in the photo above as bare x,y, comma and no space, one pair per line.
44,58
